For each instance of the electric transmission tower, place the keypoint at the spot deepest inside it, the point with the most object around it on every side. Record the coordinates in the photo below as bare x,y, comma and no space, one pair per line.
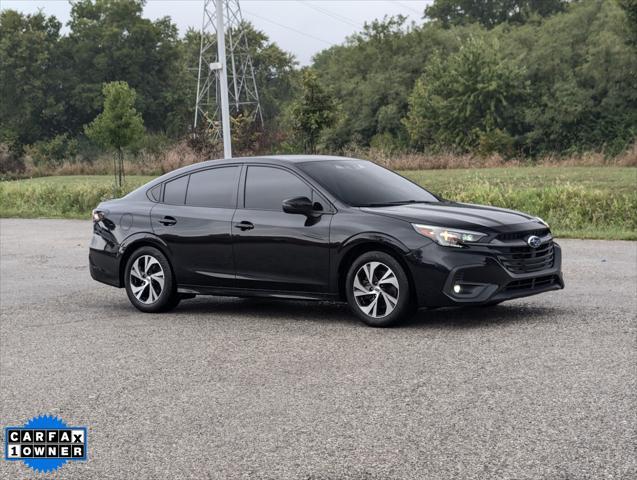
225,83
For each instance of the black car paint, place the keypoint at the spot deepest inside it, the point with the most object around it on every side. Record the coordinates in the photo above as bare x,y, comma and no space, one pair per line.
237,251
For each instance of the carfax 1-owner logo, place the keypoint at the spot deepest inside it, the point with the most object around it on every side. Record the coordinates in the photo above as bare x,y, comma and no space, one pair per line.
45,443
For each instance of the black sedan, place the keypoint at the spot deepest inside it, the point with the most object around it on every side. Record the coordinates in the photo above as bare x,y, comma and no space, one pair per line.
315,227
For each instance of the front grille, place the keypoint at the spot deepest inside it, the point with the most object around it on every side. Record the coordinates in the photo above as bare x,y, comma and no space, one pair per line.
532,283
527,259
519,235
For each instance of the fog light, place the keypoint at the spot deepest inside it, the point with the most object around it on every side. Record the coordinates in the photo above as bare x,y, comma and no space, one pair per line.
457,288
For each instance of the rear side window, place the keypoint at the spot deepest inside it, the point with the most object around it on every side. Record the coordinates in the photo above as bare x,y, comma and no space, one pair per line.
267,187
175,191
154,193
214,188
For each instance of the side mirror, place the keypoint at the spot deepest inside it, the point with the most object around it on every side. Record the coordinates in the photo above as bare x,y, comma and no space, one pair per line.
301,206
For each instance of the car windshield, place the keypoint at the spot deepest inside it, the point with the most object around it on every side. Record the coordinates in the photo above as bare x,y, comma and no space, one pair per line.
361,183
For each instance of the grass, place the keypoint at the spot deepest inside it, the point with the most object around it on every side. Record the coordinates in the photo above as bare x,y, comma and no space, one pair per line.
611,179
132,181
578,202
60,196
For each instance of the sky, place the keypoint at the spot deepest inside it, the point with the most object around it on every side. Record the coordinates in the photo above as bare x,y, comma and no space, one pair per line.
302,27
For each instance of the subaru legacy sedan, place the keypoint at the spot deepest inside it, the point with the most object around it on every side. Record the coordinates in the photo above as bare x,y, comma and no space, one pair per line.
316,228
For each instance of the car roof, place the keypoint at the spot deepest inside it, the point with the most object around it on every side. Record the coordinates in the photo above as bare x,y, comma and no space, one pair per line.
303,158
275,159
267,159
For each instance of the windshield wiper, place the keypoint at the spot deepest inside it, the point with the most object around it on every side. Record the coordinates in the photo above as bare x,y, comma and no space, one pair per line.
389,204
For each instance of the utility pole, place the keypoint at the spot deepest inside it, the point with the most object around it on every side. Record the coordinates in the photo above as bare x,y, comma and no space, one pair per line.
220,64
223,81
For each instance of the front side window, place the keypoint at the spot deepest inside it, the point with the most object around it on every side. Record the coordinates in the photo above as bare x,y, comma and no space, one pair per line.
214,188
267,188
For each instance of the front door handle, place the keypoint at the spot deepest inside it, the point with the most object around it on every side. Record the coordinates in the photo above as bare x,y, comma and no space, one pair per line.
244,226
168,221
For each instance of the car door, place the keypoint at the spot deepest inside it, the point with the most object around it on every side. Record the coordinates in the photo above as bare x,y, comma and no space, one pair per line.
275,250
195,220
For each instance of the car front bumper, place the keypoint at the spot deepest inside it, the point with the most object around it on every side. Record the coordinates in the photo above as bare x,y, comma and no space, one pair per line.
445,276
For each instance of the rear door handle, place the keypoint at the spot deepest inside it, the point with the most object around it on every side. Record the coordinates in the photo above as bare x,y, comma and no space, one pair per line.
168,221
244,226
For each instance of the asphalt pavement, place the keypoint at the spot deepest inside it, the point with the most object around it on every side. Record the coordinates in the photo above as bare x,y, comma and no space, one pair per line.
536,388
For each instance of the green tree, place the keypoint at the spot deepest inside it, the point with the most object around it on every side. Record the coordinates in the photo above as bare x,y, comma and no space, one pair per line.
313,112
110,40
630,7
373,74
32,103
119,126
581,69
469,100
490,13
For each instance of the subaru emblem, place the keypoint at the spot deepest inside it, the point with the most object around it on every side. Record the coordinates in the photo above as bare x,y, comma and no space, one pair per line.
534,241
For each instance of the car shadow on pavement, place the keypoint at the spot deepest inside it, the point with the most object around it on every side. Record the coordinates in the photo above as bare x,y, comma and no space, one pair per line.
331,312
266,307
478,317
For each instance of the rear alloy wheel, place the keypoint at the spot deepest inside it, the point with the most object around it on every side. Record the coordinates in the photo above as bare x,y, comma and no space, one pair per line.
378,289
149,281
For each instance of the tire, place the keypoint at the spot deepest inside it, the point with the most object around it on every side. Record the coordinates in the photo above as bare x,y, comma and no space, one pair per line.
145,270
382,300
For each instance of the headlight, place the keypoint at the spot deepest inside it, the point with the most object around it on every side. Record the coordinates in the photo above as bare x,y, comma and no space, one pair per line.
542,222
448,237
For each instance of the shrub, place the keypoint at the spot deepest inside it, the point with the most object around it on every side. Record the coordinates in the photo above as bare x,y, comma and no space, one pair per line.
495,141
10,162
53,152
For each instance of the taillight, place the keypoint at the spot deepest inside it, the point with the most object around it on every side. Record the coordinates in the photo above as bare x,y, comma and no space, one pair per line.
98,216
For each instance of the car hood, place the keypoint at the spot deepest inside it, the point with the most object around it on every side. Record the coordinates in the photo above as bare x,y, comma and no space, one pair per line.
460,215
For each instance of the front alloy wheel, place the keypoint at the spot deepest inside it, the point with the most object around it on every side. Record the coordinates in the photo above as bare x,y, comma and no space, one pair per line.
378,289
149,281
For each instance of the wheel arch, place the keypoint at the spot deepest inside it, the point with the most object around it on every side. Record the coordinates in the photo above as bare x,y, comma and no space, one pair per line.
134,243
364,244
